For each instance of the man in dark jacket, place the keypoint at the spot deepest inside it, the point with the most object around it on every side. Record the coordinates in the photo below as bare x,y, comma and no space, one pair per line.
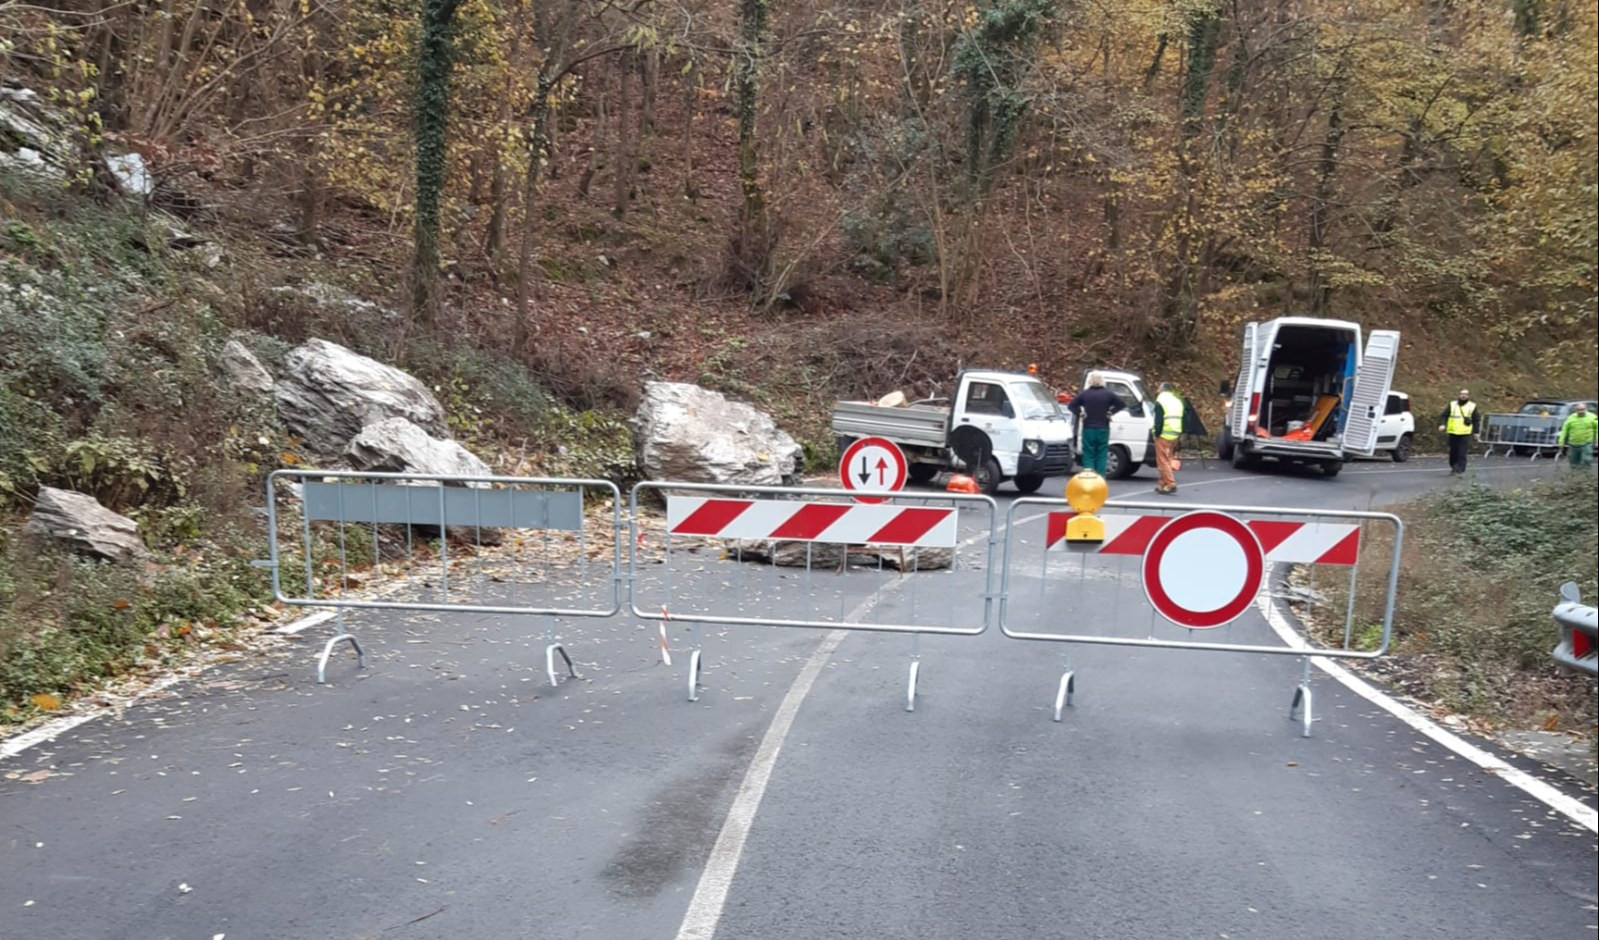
1093,409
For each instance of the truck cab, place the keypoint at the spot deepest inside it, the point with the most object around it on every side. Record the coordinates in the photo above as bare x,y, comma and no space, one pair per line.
996,425
1307,392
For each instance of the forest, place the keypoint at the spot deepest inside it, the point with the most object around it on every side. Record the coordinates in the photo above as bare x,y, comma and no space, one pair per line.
953,179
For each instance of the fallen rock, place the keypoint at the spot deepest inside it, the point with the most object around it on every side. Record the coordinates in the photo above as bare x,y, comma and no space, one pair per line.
330,393
395,445
241,368
684,433
822,555
85,526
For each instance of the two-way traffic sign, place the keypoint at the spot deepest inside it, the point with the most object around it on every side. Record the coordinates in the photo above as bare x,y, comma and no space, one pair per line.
873,464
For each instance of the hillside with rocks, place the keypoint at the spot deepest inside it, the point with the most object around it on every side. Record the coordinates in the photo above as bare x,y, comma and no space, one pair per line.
463,236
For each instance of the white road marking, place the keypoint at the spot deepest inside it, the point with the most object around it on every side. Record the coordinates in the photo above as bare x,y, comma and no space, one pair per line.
56,727
1573,809
710,895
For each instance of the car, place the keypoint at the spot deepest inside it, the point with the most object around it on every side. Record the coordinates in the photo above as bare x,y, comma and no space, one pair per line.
1542,418
1396,431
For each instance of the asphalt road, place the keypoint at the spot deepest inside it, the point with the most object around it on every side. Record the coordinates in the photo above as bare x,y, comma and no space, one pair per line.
448,791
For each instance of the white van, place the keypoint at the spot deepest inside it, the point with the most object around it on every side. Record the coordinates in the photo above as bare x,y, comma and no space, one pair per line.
1308,391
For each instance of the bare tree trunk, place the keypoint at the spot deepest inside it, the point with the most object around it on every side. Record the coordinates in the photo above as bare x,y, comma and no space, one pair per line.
691,80
622,176
1326,167
499,191
538,151
597,146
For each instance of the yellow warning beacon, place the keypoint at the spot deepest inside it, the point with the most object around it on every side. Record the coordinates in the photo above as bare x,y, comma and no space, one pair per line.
1086,492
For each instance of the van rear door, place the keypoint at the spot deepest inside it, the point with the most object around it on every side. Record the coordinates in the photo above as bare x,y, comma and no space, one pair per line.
1244,389
1370,396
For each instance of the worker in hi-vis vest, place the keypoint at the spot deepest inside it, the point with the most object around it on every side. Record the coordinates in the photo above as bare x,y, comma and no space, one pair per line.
1577,434
1168,428
1461,422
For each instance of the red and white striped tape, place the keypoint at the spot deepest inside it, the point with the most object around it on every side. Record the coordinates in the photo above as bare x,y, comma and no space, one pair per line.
791,520
1303,543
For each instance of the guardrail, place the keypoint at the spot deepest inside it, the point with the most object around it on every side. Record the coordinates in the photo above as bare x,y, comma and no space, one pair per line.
1578,623
1528,435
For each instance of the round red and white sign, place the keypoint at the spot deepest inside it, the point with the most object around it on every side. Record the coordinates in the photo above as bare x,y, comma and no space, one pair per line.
872,463
1203,569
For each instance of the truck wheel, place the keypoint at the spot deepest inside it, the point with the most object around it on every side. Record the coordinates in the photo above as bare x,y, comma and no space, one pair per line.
1029,483
1401,452
1242,459
923,472
1330,468
1224,444
1119,463
988,476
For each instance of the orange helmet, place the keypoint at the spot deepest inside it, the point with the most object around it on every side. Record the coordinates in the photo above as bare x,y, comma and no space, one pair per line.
961,483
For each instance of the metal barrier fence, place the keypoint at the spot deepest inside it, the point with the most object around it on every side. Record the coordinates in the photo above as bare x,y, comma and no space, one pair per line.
1522,434
401,524
1579,630
817,529
1198,567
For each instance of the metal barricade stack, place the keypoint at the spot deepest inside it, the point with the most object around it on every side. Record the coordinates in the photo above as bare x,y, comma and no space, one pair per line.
1579,625
1179,578
909,536
350,528
1520,434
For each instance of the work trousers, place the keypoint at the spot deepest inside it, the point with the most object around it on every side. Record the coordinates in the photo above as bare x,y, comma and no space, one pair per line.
1166,462
1458,445
1580,455
1096,449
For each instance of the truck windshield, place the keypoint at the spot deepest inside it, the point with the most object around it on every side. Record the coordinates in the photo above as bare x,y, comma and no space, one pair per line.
1033,400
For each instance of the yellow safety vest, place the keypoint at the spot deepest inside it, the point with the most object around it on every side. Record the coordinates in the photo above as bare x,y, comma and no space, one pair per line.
1460,418
1171,409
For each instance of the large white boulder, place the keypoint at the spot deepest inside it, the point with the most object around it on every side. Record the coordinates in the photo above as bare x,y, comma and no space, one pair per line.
329,394
395,445
85,526
687,434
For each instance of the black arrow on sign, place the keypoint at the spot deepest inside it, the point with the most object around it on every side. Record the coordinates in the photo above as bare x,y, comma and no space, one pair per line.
865,474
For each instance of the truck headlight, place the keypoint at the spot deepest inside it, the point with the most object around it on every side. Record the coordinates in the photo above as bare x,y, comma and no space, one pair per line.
1033,448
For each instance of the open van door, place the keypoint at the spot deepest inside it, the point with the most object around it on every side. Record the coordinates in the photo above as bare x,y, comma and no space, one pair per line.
1370,397
1241,389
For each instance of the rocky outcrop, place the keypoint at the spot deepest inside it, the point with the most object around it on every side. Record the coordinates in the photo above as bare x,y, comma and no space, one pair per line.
241,368
85,526
329,394
685,433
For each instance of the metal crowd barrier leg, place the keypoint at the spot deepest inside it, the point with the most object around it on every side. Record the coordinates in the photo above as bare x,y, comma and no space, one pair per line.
549,662
1302,701
1063,695
327,650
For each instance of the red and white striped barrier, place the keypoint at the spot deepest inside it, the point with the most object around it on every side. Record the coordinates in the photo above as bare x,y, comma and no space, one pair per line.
792,520
1303,543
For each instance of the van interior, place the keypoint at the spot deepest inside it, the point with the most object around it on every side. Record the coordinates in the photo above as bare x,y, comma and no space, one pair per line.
1308,380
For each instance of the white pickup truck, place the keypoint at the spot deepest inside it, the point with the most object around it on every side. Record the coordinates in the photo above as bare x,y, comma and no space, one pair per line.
997,426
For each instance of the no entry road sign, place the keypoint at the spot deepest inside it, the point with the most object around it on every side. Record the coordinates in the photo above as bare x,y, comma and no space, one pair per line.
1203,569
872,464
